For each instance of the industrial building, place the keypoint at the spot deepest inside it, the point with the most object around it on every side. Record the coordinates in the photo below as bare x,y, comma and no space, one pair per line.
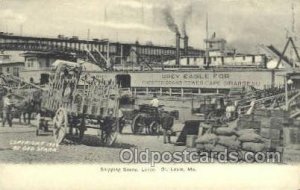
10,66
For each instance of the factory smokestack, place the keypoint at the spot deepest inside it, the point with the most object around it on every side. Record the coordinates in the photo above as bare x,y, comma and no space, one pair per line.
177,48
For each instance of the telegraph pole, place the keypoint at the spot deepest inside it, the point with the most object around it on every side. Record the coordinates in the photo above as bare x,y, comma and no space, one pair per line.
88,34
292,33
206,43
21,30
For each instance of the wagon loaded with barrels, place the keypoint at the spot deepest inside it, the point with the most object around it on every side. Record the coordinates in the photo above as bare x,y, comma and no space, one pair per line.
77,101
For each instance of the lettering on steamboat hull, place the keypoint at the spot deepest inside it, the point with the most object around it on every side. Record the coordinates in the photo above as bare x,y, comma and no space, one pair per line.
230,79
195,79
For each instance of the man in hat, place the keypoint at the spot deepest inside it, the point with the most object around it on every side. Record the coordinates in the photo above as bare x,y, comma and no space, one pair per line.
154,102
7,110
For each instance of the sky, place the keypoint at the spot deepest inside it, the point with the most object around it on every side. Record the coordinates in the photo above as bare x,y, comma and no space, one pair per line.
243,23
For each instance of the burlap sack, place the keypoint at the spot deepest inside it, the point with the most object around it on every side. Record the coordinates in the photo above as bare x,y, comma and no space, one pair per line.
226,131
253,147
244,131
205,125
250,137
207,138
200,146
230,143
219,148
225,138
209,147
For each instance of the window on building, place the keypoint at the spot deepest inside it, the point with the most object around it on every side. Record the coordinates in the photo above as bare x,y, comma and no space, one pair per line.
48,62
7,69
16,71
30,62
112,49
6,57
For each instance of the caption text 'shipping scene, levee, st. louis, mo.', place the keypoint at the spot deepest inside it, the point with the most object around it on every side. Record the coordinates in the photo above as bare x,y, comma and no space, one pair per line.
96,97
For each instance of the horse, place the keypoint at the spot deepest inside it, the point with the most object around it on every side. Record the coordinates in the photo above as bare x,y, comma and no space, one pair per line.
26,108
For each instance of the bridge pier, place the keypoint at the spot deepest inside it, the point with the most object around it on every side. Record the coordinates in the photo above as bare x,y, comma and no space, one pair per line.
66,46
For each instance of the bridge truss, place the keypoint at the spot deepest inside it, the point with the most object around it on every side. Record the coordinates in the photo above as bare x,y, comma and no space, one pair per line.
100,52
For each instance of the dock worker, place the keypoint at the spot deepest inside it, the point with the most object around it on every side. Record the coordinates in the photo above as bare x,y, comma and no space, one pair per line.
220,107
167,123
231,110
7,110
154,102
121,120
251,109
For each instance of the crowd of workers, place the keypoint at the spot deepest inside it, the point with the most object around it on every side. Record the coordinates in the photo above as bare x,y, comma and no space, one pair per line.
227,108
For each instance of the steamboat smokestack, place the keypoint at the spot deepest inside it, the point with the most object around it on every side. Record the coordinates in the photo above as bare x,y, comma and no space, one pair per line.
186,45
177,48
186,48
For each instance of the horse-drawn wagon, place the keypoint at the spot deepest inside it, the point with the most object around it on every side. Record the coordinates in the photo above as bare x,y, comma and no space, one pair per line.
25,97
76,101
151,120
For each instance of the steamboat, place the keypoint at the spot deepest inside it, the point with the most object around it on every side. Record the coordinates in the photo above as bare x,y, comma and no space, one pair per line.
178,71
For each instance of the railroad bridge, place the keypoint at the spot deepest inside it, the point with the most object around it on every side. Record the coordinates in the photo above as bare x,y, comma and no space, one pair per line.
101,52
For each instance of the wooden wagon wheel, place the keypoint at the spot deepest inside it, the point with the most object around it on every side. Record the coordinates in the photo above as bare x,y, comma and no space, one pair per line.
154,128
224,119
137,122
210,115
109,135
78,134
60,122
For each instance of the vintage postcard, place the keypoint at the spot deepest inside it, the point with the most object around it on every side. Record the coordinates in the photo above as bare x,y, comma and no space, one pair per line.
131,94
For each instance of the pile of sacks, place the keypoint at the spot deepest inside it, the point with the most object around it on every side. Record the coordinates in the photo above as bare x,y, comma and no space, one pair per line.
219,139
